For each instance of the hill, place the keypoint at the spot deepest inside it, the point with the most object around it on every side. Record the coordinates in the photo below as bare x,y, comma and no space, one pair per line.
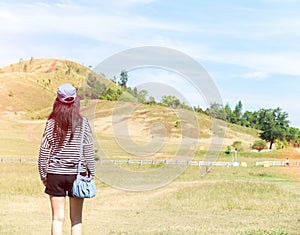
28,89
31,85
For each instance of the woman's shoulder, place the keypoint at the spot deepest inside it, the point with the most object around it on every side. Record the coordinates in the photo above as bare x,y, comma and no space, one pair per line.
86,124
50,122
85,120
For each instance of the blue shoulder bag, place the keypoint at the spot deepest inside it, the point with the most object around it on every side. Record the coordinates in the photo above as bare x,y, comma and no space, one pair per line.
83,186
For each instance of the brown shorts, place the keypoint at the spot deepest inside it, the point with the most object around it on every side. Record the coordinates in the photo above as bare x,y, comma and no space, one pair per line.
60,185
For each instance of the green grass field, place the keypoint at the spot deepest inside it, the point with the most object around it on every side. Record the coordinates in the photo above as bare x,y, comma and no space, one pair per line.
234,200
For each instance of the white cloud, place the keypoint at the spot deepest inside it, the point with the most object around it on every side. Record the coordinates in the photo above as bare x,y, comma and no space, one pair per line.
131,2
82,21
265,63
255,75
276,63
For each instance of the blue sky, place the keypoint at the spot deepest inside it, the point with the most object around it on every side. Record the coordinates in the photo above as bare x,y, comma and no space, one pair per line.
250,48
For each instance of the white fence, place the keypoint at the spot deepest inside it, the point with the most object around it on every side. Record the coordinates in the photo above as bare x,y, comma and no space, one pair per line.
127,161
277,163
167,162
157,162
18,160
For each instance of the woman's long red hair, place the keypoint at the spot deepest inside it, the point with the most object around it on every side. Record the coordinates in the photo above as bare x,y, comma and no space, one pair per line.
66,117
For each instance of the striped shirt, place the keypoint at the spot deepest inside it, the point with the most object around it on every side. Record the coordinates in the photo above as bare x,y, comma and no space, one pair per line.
64,159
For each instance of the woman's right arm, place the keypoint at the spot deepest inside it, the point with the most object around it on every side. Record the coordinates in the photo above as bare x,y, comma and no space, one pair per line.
88,150
44,155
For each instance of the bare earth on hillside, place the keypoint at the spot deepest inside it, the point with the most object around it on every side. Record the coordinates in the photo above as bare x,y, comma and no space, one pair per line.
138,131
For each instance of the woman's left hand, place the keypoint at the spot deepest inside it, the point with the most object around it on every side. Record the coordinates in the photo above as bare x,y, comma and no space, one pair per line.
44,181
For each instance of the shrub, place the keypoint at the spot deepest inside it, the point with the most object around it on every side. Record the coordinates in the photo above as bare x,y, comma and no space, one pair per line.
259,145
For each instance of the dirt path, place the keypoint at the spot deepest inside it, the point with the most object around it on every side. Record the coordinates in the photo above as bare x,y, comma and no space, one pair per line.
52,67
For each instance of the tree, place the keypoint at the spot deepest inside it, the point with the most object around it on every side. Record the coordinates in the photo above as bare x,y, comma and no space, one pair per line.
293,136
151,100
273,123
259,145
198,109
228,113
123,79
217,111
111,94
237,112
170,101
135,92
141,96
94,89
248,119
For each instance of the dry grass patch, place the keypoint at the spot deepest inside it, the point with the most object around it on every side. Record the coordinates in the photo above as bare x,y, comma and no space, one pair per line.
225,201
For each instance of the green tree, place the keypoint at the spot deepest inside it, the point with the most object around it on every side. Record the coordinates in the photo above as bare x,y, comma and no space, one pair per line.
185,106
170,101
151,101
216,110
198,109
293,135
248,119
111,94
94,89
228,113
123,79
273,123
237,113
135,92
141,96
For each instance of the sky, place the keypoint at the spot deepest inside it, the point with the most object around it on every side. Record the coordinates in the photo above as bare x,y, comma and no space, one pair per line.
249,48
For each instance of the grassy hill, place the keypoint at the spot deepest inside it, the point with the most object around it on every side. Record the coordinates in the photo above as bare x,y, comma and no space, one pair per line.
31,85
28,89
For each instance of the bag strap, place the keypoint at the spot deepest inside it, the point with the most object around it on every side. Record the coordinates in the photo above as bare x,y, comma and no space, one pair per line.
81,148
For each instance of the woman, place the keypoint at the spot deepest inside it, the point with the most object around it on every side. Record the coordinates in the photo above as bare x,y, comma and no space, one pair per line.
59,157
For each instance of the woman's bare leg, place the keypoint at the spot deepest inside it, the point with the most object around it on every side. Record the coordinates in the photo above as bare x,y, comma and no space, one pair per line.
76,205
58,214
